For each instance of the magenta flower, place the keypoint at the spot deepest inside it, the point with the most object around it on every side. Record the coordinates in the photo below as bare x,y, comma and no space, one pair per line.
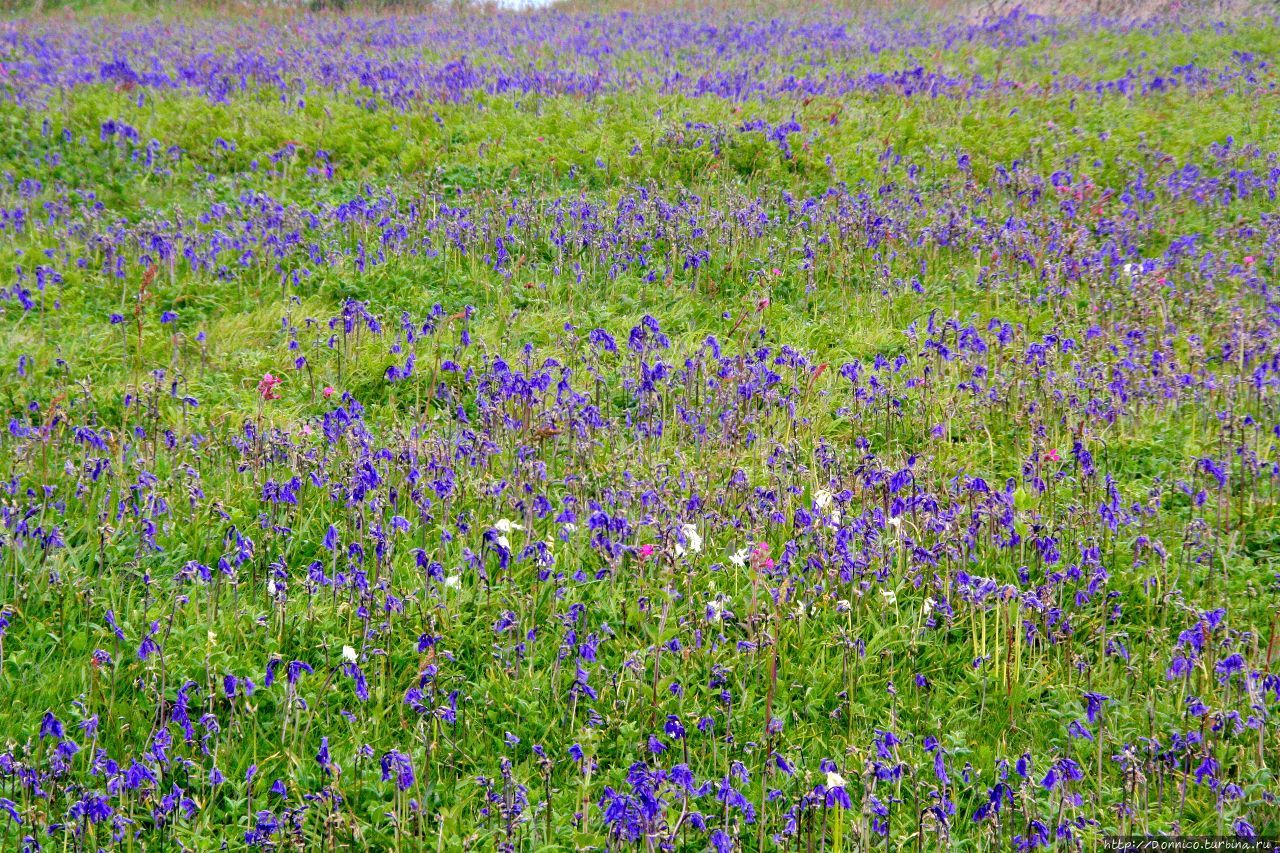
268,385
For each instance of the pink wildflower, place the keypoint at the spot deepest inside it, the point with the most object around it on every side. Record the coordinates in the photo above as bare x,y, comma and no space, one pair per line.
760,553
267,387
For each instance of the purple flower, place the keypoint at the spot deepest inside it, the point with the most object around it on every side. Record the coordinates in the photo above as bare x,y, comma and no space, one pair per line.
51,727
1094,705
399,766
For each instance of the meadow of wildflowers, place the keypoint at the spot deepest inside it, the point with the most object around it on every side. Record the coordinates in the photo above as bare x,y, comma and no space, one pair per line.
570,430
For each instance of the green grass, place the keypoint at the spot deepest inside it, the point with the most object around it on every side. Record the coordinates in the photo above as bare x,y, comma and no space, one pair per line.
853,300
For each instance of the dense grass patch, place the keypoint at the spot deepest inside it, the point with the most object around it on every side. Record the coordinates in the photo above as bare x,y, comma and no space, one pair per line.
584,431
